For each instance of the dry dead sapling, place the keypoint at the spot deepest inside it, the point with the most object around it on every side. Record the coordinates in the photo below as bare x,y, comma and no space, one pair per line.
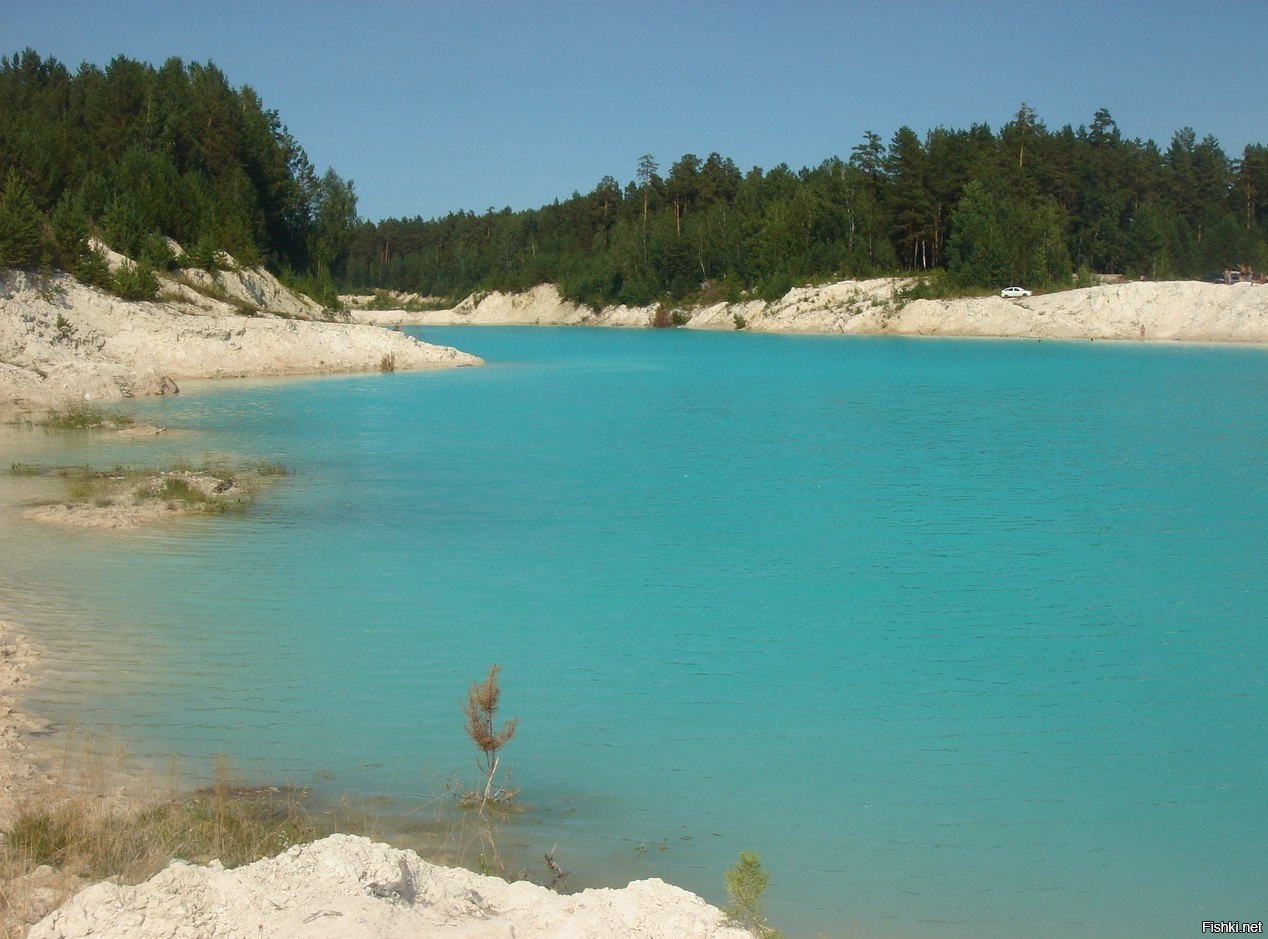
481,709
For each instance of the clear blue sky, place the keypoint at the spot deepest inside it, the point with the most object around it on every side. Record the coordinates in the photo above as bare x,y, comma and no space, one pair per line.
431,107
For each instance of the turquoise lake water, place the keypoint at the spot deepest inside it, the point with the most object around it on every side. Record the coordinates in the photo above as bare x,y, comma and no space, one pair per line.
964,638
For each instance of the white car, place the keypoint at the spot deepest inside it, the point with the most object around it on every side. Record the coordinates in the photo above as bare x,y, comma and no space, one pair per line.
1014,293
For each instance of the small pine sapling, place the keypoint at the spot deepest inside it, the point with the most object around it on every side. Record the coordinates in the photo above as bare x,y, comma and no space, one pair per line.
745,883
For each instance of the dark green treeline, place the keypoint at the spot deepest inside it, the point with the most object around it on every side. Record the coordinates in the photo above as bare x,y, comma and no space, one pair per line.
1021,205
130,152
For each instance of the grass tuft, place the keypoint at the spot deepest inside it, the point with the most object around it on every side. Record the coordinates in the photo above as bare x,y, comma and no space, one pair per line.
270,468
86,835
86,417
76,417
180,486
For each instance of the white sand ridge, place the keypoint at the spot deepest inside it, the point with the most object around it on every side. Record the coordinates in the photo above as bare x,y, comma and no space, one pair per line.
1186,311
61,341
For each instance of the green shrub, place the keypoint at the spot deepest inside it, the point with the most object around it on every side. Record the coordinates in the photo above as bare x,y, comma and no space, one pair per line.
203,254
383,301
320,288
92,268
76,417
83,489
43,837
936,285
775,287
172,489
157,254
135,281
124,225
65,329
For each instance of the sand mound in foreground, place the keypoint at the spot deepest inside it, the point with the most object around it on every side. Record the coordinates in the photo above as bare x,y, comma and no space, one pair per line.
351,887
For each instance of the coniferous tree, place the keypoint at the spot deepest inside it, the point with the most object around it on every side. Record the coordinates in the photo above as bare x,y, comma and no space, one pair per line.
908,198
20,224
977,252
69,226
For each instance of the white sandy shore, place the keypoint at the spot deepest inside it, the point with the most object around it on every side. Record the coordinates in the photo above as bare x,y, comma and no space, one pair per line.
1185,311
61,341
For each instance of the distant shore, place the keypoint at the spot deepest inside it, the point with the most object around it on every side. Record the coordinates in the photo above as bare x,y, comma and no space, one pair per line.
63,342
1159,311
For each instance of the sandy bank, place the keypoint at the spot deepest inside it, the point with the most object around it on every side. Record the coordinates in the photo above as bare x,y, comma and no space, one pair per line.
1173,310
132,500
19,777
351,887
62,341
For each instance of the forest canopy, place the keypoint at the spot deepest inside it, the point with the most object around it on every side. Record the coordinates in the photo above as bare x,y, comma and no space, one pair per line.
1021,205
135,154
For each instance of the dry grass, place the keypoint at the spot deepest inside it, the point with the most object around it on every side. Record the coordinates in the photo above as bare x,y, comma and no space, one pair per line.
81,832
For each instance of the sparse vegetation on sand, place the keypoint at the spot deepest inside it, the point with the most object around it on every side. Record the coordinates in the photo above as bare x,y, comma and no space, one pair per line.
85,417
387,300
76,833
124,497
